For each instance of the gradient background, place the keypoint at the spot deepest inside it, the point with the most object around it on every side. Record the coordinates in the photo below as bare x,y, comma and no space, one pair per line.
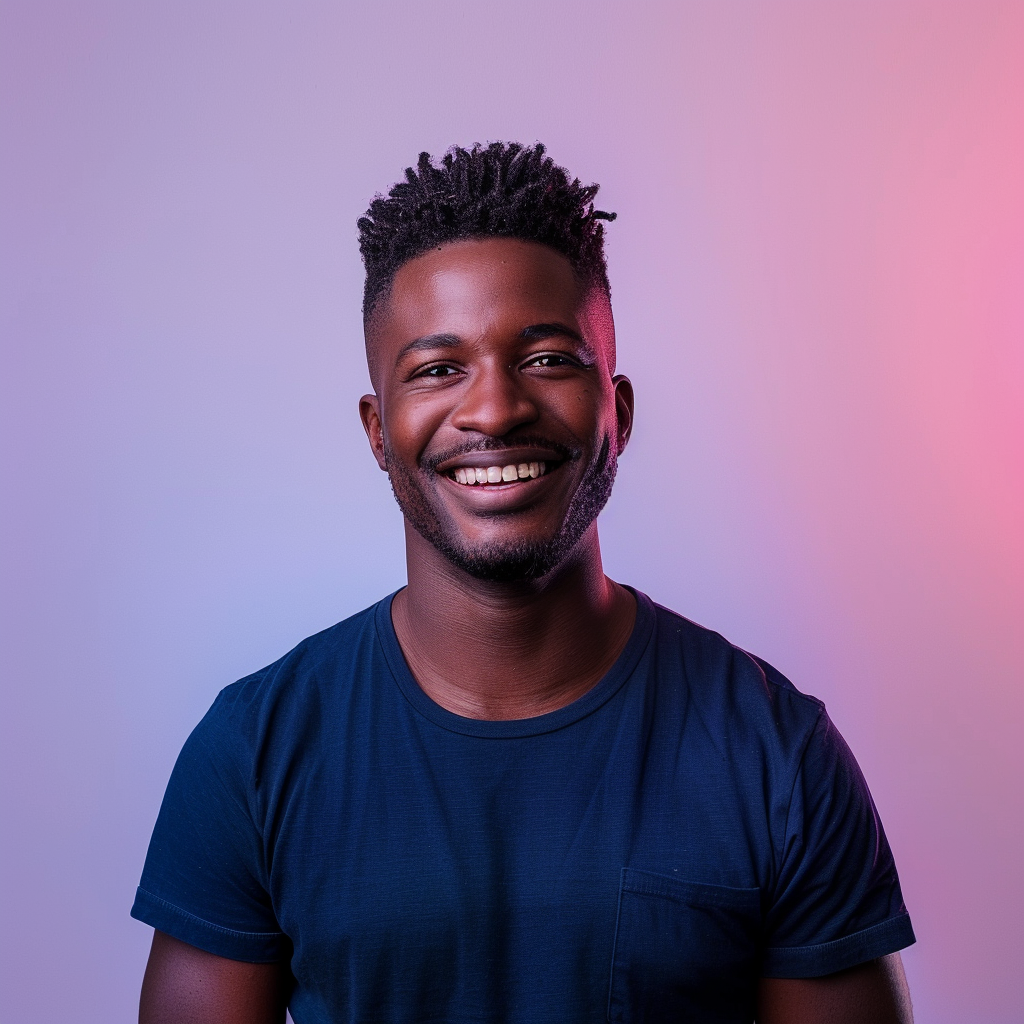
818,271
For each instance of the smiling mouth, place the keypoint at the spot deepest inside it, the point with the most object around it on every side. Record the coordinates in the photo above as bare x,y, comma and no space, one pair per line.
474,476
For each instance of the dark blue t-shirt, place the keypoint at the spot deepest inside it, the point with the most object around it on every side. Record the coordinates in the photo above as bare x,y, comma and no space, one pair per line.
645,853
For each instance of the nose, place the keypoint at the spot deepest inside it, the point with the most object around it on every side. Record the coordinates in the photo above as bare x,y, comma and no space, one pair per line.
494,402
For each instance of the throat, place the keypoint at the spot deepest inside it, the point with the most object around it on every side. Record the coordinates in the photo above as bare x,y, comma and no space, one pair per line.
524,656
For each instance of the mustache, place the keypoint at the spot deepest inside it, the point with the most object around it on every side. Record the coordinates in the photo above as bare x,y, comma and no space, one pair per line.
563,452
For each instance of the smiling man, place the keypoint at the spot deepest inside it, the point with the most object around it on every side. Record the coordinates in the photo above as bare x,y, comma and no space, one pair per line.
515,791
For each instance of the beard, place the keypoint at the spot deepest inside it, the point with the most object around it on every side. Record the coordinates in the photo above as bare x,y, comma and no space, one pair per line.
513,561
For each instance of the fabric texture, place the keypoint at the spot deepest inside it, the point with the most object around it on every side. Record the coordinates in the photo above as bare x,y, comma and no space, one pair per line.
691,823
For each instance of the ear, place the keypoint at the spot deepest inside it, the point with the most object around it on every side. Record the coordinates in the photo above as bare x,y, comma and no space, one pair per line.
623,409
369,413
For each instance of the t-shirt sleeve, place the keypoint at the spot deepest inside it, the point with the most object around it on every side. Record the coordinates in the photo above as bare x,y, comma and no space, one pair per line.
205,879
837,901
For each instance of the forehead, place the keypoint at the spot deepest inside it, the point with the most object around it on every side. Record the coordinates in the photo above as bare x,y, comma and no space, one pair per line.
472,287
479,277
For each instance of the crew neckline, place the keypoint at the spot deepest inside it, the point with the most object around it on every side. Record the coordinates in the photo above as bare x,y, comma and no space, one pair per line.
598,694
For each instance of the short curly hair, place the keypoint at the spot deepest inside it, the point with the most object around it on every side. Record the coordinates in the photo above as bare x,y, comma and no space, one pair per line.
504,190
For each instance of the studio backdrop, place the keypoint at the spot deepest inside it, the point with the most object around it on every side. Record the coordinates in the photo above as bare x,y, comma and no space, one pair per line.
818,278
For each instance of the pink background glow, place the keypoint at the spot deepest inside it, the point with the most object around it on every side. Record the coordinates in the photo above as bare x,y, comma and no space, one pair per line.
818,274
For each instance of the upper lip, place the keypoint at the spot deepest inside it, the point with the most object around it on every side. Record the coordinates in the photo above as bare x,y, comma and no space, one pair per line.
498,457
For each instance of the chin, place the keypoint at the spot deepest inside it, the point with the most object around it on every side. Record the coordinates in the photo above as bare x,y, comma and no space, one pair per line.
521,562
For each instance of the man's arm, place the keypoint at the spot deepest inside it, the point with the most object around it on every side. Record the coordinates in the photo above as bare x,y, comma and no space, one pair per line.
185,985
871,993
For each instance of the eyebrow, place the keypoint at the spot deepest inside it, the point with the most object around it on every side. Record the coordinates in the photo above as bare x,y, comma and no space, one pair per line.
538,332
431,341
535,332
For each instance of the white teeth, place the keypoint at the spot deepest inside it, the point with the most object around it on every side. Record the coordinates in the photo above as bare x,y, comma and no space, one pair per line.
471,475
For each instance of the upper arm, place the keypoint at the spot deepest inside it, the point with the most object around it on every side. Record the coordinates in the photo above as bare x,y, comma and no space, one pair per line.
834,897
186,985
206,878
871,993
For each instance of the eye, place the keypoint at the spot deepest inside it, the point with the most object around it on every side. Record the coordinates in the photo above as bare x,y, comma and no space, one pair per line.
552,360
441,370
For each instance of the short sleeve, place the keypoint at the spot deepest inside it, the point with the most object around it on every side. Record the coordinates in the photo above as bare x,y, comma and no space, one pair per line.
837,902
204,881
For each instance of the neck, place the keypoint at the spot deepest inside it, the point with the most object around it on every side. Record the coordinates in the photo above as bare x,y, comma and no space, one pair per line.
510,650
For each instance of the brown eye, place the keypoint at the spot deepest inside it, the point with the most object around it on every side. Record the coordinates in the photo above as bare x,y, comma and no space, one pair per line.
551,361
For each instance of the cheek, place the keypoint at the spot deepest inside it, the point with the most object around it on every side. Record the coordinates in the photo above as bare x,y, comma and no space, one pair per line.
409,427
590,412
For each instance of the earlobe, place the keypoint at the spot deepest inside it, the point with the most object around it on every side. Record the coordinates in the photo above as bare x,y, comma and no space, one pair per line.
623,409
369,413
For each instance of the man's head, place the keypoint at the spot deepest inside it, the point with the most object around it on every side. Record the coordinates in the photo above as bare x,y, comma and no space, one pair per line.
491,347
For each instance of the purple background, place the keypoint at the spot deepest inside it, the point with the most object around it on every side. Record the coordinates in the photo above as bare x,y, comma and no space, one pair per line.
818,271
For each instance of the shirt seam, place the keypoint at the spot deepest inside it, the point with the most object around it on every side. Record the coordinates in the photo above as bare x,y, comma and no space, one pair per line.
781,853
209,924
245,778
845,940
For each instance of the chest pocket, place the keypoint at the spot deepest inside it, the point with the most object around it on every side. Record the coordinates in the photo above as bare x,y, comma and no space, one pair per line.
684,951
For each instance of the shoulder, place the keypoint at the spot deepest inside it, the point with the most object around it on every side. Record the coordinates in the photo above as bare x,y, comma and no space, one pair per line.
743,705
285,696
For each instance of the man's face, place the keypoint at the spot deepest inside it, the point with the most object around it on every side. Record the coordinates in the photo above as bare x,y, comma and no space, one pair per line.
490,360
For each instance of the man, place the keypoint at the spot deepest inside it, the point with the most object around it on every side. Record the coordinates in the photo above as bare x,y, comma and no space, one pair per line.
515,791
